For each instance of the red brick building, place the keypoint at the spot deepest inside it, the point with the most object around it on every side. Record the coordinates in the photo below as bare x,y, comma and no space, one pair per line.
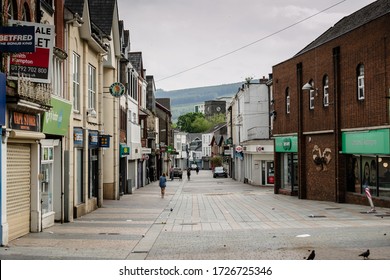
332,102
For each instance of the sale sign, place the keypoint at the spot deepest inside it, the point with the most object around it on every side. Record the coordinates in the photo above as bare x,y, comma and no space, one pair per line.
34,65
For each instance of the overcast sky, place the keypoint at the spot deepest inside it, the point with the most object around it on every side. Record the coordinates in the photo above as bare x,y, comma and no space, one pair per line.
196,43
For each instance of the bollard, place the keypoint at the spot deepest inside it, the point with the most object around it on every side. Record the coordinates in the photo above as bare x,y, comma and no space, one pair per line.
368,194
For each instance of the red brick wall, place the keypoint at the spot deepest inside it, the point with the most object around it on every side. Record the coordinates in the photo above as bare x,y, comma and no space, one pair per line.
372,50
370,45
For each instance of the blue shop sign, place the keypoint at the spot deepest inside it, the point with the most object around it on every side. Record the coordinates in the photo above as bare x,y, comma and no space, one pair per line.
93,138
104,141
78,137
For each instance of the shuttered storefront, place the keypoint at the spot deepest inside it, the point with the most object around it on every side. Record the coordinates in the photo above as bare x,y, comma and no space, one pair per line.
18,190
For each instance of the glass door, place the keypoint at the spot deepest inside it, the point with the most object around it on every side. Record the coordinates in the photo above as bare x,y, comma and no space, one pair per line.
47,180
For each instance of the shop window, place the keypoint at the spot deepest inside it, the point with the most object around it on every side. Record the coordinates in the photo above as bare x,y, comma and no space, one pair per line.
369,171
47,157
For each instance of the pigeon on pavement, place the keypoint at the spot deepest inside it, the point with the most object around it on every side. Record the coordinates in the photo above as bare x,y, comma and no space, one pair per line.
365,254
312,255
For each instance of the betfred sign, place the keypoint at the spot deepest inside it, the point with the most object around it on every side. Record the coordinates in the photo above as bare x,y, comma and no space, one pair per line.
34,65
15,39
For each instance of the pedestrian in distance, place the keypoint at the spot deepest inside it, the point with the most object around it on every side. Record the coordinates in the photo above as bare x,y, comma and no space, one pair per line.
188,173
197,170
171,173
163,184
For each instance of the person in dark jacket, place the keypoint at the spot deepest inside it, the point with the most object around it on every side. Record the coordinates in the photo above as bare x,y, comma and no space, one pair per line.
163,184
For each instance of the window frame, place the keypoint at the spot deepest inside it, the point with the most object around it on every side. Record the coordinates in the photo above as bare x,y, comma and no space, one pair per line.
76,81
360,82
91,87
325,99
288,101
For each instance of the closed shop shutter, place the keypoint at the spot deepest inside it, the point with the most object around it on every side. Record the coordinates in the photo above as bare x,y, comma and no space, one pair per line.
18,190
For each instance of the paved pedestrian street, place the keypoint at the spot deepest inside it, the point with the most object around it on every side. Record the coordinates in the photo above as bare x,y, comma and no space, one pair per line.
212,219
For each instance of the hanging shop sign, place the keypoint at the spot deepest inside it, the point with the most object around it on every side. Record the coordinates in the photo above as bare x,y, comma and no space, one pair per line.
34,65
124,150
366,142
78,137
286,144
93,139
24,121
16,39
104,141
56,121
117,89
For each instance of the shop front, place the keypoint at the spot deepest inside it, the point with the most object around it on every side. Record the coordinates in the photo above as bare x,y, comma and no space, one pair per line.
286,154
55,125
23,208
368,161
259,163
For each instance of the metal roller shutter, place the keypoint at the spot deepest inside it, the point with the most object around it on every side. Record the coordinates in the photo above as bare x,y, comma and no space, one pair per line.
18,190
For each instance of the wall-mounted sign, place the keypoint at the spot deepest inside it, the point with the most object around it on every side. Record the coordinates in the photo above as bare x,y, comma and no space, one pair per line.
104,141
56,121
286,144
15,39
366,142
24,121
239,149
117,89
34,65
78,137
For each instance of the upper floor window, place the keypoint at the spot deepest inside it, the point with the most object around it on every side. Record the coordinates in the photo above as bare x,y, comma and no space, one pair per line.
12,12
325,85
76,82
360,82
311,95
91,87
287,101
26,13
57,76
133,85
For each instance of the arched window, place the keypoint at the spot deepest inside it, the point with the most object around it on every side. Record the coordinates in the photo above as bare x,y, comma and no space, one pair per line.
311,95
360,81
12,10
26,13
287,101
325,85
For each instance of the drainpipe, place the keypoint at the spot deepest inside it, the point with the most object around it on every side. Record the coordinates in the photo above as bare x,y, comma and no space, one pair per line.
339,194
301,140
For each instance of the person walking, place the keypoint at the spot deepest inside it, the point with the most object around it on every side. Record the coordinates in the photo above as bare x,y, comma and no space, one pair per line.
197,170
188,173
163,184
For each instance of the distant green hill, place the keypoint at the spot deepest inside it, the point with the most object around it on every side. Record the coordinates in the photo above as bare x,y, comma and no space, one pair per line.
184,100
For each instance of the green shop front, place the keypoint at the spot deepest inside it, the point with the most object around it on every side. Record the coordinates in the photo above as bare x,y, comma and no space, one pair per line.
286,159
368,161
53,196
